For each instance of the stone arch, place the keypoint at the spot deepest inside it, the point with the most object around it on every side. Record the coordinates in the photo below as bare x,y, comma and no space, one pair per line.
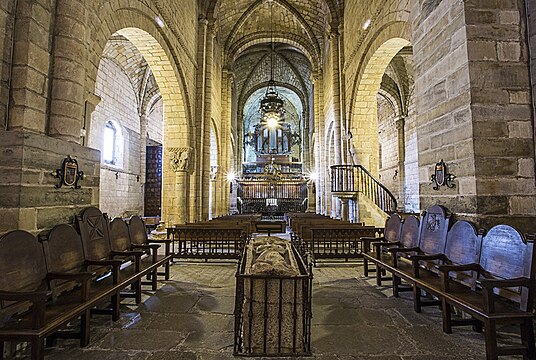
159,49
141,30
363,116
285,4
334,9
262,38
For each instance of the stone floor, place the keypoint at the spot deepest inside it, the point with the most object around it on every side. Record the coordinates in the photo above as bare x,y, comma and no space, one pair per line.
190,317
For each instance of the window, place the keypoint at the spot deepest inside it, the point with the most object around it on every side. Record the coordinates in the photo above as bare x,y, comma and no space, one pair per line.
108,150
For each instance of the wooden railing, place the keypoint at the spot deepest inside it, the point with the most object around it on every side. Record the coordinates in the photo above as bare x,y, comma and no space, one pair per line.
262,196
355,178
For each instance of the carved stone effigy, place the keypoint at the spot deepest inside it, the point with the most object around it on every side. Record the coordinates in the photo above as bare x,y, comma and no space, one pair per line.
275,307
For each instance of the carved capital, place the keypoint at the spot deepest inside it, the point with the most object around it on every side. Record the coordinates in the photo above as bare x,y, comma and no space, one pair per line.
180,158
400,123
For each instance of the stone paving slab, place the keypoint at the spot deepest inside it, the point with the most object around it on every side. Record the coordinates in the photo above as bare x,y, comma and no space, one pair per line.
191,317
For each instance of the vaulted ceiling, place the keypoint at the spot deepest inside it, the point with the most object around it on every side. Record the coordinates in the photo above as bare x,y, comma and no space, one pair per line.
298,29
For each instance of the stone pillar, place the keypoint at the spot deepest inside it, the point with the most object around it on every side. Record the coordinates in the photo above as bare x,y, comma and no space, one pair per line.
30,67
334,46
69,74
400,123
227,82
175,208
311,197
337,141
200,113
143,155
207,119
320,142
345,210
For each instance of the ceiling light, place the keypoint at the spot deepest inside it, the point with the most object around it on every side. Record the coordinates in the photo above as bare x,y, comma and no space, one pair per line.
159,21
367,24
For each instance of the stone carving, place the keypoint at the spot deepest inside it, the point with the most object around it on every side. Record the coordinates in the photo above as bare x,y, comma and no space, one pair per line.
180,158
272,257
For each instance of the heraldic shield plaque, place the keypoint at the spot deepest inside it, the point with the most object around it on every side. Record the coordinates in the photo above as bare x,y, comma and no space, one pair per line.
69,173
440,177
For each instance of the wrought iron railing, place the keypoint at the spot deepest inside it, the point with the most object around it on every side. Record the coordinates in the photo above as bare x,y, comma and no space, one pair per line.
354,179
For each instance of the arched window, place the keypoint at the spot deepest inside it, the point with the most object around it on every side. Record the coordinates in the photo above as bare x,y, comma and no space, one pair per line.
108,149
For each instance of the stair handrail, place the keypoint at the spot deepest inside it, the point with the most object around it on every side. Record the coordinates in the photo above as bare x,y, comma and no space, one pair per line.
343,180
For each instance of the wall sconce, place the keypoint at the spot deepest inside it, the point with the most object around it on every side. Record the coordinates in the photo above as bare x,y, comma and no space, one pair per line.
395,176
116,175
441,177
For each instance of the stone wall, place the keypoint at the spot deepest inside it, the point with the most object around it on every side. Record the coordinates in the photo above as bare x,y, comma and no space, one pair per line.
120,191
442,95
531,7
28,198
501,112
388,140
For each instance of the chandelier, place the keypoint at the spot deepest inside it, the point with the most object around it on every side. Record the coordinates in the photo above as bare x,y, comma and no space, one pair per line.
271,106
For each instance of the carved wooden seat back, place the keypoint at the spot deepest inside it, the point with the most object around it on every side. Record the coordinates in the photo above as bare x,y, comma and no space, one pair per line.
393,226
119,236
506,254
463,247
93,227
409,234
23,267
434,226
137,231
64,253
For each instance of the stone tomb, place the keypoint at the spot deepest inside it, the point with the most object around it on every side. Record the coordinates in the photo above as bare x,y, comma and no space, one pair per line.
273,300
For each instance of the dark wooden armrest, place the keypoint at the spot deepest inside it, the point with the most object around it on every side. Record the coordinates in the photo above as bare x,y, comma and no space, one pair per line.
445,271
79,276
372,238
146,246
404,250
38,299
128,253
162,241
488,285
385,243
492,283
416,258
464,267
83,278
114,263
33,296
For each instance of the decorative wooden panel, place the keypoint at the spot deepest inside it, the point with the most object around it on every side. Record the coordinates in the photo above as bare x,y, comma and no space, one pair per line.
153,181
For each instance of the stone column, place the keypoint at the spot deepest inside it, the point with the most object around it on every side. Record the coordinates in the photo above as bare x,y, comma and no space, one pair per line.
207,119
400,123
143,155
345,210
334,46
200,113
337,142
227,82
68,74
320,143
175,210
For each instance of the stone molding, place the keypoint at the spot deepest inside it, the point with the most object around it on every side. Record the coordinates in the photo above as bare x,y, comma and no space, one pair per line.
180,158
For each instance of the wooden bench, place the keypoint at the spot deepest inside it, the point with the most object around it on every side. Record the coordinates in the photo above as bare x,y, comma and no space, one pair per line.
30,309
93,226
148,262
207,242
266,226
491,279
138,236
339,242
391,234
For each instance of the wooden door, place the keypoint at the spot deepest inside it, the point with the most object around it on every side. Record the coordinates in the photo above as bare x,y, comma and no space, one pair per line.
153,181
